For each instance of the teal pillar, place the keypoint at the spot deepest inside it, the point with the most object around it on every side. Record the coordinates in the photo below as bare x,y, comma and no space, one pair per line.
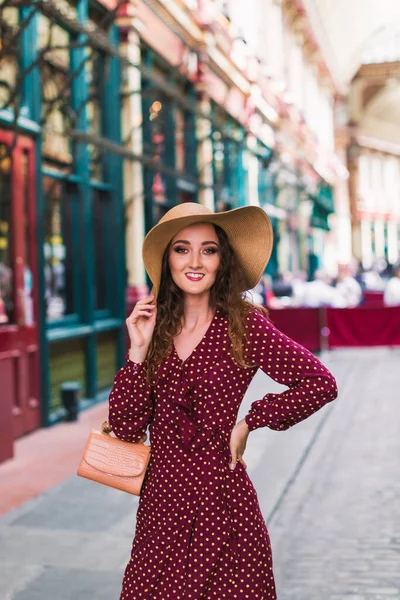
113,167
30,98
148,173
169,145
80,94
31,107
241,178
191,166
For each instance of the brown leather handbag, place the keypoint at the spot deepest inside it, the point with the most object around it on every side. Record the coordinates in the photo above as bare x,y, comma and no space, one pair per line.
113,462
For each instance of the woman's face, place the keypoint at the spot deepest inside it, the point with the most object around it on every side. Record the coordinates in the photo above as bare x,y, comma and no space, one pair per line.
194,258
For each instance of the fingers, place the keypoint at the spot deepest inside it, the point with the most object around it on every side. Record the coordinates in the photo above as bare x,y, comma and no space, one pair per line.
235,458
147,311
145,304
142,308
237,445
146,299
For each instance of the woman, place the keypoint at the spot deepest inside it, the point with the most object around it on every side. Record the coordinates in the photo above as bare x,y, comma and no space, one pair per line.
195,347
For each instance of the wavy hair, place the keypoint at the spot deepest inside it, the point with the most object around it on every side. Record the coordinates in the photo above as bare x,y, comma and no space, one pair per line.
225,294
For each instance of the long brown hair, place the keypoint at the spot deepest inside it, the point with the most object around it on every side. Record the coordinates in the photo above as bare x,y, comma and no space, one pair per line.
225,294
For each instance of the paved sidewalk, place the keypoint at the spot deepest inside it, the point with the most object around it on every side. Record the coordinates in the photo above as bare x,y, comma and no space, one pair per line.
46,457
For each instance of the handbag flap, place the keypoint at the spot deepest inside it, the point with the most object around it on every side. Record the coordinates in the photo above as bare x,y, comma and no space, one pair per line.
116,457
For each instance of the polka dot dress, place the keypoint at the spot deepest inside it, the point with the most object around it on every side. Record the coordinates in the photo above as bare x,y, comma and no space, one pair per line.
200,534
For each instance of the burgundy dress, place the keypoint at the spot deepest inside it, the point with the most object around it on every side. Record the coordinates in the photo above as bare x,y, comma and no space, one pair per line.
200,534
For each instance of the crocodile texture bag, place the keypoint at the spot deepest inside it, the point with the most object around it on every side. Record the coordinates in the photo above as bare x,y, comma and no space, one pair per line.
113,462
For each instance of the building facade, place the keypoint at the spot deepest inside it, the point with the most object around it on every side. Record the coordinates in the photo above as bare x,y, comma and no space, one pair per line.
237,108
124,109
61,210
374,158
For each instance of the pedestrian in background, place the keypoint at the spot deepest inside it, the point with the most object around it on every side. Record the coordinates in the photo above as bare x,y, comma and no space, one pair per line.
391,295
196,344
270,300
348,287
320,291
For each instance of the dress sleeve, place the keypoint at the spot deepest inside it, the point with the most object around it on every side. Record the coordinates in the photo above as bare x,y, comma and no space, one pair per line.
310,384
131,402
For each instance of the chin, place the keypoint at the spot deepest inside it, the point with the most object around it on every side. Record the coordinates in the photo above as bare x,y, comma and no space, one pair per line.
194,289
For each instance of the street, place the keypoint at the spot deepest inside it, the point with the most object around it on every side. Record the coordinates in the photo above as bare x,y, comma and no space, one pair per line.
328,488
336,535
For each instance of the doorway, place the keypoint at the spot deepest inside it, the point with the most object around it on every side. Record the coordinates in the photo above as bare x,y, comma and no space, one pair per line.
19,344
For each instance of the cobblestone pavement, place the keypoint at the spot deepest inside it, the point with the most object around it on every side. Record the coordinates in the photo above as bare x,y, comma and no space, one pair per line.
336,534
328,489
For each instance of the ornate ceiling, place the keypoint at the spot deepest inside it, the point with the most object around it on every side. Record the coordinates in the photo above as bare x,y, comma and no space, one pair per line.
348,30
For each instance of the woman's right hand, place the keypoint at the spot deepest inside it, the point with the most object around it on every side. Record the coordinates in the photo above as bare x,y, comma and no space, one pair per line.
141,322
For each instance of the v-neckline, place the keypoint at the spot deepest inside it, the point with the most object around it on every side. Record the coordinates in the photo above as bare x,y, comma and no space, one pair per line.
182,362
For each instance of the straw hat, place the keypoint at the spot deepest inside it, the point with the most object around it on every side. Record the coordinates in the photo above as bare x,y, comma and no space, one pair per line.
249,231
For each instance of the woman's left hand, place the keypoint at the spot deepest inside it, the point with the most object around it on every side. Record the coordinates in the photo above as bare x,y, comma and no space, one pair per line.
237,443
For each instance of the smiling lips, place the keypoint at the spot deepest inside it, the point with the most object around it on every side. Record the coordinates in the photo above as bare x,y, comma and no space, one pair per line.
194,276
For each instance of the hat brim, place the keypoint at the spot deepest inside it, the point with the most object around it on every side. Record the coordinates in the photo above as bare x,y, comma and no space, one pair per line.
249,231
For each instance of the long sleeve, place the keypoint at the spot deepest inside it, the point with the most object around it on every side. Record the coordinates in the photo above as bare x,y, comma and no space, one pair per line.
130,402
310,383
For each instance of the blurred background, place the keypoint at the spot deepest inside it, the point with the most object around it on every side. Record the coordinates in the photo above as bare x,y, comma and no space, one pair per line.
113,111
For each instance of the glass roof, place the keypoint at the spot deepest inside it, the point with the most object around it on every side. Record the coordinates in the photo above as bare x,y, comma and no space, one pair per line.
348,30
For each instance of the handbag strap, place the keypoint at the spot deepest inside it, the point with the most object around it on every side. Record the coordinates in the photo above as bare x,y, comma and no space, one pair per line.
106,427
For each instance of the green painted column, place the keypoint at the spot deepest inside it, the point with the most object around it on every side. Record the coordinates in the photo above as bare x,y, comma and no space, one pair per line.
30,99
80,94
169,144
148,173
241,177
191,142
113,168
31,108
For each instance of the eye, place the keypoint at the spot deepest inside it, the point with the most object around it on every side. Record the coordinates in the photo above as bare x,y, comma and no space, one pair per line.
180,249
211,250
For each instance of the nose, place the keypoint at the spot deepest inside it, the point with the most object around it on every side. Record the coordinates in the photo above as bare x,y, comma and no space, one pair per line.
195,260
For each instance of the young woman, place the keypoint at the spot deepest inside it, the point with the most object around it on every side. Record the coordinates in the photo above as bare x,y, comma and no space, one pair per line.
195,346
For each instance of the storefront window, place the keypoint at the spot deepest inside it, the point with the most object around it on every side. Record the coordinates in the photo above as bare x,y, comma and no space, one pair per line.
169,138
179,139
6,258
58,249
56,91
228,139
26,242
155,124
96,73
156,115
9,57
227,171
266,183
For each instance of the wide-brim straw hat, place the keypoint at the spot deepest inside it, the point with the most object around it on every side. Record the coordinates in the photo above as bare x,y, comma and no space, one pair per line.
248,228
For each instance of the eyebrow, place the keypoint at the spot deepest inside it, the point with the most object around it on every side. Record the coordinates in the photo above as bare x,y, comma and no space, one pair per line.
187,242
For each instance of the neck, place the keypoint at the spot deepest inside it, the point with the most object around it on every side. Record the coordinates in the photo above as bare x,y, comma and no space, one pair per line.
197,311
